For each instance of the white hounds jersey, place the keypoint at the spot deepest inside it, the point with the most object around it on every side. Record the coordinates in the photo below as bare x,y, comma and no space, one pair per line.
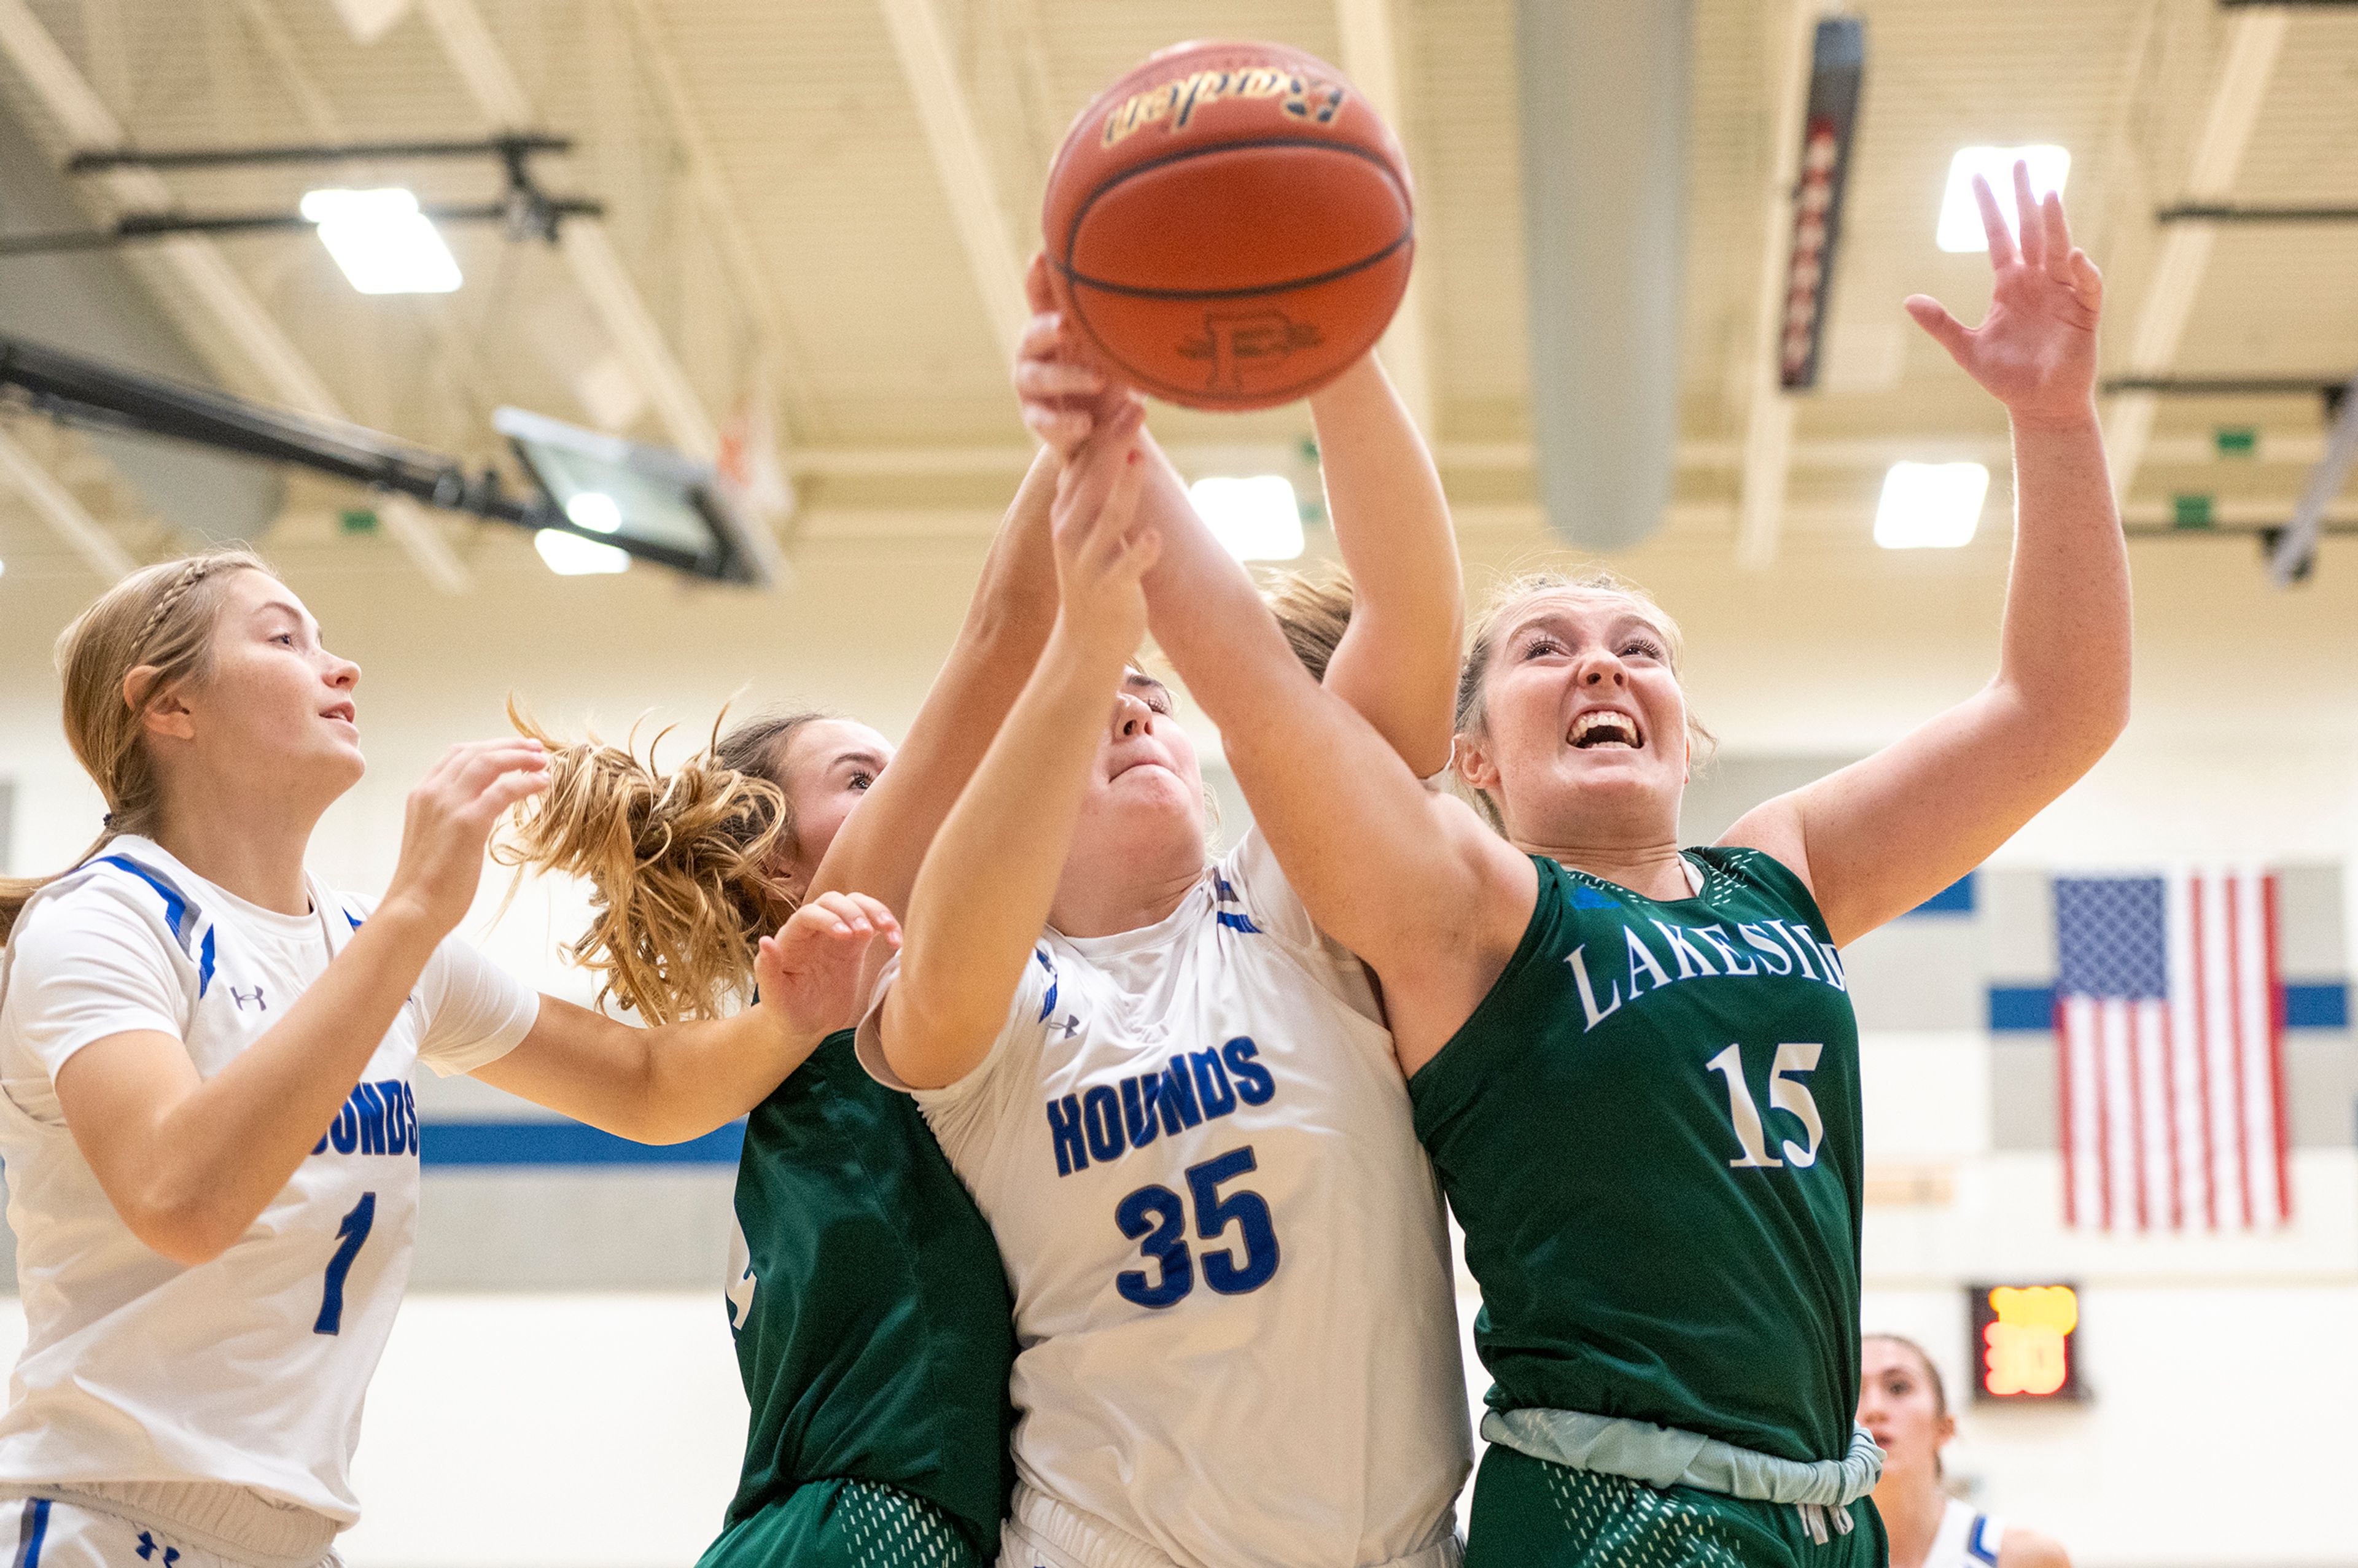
1966,1539
1236,1327
248,1369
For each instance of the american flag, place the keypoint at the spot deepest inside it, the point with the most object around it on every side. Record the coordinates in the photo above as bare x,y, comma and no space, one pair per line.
2169,1015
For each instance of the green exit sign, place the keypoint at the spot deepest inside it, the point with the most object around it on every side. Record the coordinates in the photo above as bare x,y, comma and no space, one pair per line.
2189,512
357,520
2235,440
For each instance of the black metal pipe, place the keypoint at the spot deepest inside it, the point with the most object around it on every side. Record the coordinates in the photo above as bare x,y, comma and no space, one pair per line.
337,152
544,214
2226,386
2198,212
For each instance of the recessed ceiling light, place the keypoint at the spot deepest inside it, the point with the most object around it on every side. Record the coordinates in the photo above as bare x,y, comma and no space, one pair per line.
1930,506
383,242
1961,228
1257,519
570,554
596,510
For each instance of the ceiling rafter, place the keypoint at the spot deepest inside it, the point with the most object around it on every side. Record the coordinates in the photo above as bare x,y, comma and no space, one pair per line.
65,516
963,165
1372,58
587,248
204,271
2248,63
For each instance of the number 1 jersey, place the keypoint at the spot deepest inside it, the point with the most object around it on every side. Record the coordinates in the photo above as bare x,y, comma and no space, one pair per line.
248,1369
1236,1327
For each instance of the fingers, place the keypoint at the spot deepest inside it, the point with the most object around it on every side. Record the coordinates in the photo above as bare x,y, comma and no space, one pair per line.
1037,289
1945,329
2031,216
1043,376
2086,281
2001,243
2058,240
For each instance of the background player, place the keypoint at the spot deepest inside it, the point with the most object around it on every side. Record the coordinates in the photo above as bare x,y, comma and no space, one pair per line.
868,1305
1650,1262
206,1054
1904,1407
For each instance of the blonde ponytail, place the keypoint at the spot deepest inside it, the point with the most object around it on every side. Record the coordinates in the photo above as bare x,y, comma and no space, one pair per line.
1313,610
681,865
159,619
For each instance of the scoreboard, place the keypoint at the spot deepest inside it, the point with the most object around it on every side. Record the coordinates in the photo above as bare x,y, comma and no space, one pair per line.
2025,1347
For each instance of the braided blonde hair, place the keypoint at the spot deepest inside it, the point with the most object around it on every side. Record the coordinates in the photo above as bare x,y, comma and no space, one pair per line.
682,866
159,620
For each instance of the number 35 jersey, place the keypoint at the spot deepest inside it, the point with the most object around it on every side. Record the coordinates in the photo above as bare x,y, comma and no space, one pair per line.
248,1369
1650,1131
1235,1328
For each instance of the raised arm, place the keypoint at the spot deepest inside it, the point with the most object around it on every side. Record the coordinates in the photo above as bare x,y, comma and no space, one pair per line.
189,1161
880,846
676,1081
1881,836
1397,663
989,879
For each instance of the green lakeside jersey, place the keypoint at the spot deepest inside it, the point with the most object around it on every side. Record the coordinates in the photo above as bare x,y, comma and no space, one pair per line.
1650,1131
874,1329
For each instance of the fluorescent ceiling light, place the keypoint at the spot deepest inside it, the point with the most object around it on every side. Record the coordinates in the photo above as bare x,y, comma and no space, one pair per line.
570,554
595,509
383,242
1256,519
1961,216
1929,507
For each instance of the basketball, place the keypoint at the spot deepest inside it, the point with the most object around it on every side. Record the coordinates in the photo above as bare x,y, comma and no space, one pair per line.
1229,224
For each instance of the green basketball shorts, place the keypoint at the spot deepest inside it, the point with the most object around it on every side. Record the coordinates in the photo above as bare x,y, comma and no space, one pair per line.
1529,1513
844,1524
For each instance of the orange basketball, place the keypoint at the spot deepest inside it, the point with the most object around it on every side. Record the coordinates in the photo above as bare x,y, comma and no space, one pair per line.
1230,225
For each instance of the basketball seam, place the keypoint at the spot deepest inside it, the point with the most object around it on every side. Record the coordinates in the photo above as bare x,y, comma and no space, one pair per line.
1131,291
1073,230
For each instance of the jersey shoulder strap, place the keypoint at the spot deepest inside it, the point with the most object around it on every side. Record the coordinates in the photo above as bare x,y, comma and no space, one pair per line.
1983,1539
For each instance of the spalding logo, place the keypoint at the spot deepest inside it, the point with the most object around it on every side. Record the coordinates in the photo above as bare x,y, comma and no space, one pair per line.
1174,103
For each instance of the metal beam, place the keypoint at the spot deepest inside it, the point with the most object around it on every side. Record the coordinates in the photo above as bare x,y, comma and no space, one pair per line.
774,354
202,270
1769,412
1371,59
2298,543
62,512
2256,39
475,54
947,120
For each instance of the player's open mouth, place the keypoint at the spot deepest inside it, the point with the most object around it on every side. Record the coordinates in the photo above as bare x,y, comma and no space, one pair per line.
1606,726
343,710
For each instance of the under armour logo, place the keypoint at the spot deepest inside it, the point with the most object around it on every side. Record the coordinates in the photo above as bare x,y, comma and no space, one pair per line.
147,1550
254,996
741,1300
1070,1023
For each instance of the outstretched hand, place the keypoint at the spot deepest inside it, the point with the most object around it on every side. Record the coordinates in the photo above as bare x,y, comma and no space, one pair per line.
1102,552
1065,392
2036,349
809,972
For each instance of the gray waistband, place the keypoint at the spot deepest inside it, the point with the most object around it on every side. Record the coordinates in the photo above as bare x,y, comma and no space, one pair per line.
1082,1539
1665,1456
235,1523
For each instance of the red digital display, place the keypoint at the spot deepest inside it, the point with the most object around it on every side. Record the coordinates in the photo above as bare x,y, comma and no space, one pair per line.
2024,1345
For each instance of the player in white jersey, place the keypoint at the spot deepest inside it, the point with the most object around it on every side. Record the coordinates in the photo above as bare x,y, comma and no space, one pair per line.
1902,1404
206,1118
1178,1107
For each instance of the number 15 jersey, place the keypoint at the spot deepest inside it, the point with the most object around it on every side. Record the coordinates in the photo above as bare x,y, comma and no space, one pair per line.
1236,1329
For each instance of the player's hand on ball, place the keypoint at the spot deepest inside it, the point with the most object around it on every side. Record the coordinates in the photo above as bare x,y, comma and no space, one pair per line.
1102,551
1065,392
2036,349
809,972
